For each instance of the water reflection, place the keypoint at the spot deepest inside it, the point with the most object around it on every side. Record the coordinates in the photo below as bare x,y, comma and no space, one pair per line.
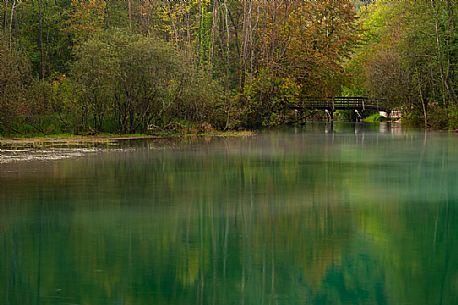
302,217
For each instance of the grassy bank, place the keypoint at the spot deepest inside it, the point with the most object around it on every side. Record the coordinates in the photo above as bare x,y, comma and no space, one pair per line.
69,140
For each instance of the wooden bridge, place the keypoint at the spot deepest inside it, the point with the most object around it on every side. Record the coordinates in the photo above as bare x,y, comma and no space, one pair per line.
331,104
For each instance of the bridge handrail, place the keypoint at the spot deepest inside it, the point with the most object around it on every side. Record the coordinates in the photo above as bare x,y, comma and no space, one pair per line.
349,102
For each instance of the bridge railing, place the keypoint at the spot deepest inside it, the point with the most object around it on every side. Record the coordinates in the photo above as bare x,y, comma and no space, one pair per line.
343,102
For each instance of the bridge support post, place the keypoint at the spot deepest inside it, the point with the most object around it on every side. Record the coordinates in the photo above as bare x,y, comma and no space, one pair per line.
330,115
358,116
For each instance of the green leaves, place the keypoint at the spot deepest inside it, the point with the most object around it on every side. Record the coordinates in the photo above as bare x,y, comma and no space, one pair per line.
14,78
408,57
129,82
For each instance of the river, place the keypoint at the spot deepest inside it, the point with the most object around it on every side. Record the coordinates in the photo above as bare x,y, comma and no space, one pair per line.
341,214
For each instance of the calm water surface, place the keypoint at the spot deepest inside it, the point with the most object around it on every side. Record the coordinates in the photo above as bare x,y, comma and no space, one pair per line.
349,215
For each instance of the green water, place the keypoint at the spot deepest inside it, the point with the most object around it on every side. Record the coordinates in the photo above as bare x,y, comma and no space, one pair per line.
353,215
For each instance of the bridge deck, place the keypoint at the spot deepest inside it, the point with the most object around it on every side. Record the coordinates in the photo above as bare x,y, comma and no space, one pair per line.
341,103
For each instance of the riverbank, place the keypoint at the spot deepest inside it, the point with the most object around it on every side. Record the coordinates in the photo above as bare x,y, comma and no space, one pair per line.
65,146
69,140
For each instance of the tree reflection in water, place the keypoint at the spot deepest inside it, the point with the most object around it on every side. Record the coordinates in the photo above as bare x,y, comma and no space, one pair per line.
280,218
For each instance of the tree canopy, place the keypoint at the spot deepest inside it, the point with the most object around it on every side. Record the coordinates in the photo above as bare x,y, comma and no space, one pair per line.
124,66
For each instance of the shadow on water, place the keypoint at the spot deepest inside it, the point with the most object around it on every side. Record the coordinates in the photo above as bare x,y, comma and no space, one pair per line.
315,215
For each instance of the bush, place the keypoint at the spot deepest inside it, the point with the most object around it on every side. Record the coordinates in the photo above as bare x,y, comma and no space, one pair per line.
126,82
374,118
453,117
437,117
264,102
14,79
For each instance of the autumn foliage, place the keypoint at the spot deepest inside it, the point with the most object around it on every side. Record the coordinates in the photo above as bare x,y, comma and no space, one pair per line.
121,66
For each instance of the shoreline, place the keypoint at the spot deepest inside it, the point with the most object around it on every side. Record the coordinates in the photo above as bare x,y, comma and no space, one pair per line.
57,147
106,139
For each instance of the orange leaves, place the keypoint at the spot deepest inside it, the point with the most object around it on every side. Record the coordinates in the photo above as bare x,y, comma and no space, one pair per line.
306,39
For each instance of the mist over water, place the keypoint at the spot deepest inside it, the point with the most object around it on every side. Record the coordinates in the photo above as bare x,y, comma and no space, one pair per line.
341,214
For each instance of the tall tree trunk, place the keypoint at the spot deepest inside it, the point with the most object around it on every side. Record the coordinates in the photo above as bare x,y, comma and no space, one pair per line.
189,53
449,44
253,30
173,21
264,31
215,19
246,43
12,19
5,14
228,40
129,5
447,92
40,39
106,14
274,31
227,52
200,47
422,99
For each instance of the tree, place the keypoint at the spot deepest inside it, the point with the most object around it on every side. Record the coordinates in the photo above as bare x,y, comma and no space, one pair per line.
14,78
127,82
409,57
300,44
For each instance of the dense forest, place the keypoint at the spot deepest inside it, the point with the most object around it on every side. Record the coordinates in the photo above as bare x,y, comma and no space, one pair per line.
129,66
